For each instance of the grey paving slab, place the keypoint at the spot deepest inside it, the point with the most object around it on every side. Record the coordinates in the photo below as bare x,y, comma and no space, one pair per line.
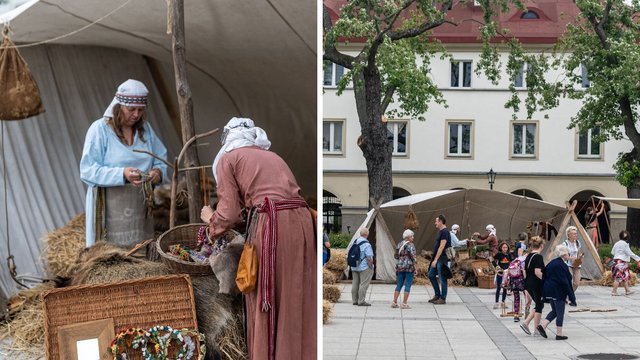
467,327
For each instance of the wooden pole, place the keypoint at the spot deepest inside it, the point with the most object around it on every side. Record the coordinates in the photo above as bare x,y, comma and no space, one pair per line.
185,105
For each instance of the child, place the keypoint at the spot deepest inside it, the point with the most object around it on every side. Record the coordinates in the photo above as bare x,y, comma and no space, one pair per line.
514,280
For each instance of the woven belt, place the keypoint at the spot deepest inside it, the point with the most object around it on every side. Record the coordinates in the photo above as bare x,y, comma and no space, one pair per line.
266,278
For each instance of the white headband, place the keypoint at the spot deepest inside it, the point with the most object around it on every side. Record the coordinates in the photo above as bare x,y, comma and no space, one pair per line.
130,93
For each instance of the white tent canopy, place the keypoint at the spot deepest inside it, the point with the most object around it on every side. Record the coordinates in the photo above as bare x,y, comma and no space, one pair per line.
250,59
632,203
472,209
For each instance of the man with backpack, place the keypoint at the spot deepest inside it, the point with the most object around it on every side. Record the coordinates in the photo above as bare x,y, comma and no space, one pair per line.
360,259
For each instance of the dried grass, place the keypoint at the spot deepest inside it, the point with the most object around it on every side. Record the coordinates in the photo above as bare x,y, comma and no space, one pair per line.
327,307
338,261
26,331
331,293
422,266
421,280
231,345
328,277
607,279
62,246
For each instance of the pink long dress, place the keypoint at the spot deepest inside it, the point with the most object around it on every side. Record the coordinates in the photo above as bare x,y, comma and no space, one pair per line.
245,177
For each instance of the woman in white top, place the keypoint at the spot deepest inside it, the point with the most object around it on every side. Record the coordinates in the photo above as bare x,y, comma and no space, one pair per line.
575,253
620,269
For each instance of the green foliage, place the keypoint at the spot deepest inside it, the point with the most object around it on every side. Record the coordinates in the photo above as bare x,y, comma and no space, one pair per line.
339,241
627,170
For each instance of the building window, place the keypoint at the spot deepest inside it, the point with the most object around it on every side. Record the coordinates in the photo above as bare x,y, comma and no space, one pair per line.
332,137
585,79
588,147
459,137
530,15
397,134
524,136
461,73
332,74
521,81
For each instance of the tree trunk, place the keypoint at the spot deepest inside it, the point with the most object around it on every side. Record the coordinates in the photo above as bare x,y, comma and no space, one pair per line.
186,107
633,217
374,142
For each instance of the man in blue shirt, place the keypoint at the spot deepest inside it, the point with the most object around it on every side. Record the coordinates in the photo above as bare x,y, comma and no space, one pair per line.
439,261
363,273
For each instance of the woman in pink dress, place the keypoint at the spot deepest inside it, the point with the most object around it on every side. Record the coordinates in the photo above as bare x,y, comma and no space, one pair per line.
281,310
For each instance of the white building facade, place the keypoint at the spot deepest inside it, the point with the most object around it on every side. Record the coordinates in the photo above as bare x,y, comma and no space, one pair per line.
456,147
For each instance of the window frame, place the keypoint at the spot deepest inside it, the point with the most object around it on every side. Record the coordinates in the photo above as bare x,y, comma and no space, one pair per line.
536,142
462,156
332,136
588,157
525,68
395,153
461,73
334,82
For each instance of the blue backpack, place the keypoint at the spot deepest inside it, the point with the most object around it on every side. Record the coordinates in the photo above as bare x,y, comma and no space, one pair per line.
353,257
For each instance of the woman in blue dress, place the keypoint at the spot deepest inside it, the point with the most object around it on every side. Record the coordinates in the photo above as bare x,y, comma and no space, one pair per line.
115,173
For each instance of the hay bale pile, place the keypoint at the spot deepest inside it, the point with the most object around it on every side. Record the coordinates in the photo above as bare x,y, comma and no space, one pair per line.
422,269
327,307
331,293
61,247
328,277
607,279
338,261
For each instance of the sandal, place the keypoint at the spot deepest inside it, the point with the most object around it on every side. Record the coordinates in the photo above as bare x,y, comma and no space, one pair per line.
405,306
394,305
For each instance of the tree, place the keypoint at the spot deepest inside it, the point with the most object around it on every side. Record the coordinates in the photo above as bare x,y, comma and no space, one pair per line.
604,39
393,65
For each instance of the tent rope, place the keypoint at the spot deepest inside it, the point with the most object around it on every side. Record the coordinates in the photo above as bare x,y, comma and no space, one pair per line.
7,28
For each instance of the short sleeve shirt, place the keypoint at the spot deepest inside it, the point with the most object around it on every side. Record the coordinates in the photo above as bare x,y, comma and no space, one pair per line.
444,234
407,260
532,262
365,251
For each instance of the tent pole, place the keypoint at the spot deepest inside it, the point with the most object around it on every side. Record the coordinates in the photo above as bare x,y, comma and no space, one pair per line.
588,243
185,104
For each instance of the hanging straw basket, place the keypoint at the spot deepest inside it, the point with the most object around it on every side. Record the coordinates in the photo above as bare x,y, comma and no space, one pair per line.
184,235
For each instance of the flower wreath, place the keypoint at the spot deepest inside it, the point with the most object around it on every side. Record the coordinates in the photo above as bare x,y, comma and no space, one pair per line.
160,337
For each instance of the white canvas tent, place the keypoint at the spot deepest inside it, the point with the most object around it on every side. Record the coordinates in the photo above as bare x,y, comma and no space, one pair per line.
472,209
249,59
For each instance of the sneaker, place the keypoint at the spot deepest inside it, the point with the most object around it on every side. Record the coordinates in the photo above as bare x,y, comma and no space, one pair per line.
440,301
541,331
394,305
629,292
525,329
615,294
516,319
560,337
495,306
434,299
364,303
405,306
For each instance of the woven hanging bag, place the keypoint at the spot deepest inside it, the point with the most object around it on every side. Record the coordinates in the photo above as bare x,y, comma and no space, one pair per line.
411,220
20,95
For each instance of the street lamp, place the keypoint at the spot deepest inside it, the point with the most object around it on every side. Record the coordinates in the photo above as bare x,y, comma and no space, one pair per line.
491,176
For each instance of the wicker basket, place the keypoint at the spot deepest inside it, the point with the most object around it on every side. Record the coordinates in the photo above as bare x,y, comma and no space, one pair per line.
140,303
486,282
185,235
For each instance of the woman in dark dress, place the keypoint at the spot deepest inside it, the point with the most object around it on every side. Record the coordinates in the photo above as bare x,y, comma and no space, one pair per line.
534,269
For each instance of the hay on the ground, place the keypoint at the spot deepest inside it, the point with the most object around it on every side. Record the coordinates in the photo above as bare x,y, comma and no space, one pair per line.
61,247
328,277
231,344
331,293
422,266
327,307
338,261
421,280
607,279
26,331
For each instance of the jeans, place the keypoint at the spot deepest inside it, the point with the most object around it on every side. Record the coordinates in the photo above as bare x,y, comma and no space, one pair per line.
498,287
557,312
406,278
437,271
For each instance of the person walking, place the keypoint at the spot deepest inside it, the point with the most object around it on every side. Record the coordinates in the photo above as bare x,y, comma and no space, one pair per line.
405,268
439,262
574,260
502,260
534,269
557,288
622,254
363,273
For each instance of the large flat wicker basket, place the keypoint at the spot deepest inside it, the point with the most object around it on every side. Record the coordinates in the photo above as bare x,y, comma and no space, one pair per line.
185,235
140,303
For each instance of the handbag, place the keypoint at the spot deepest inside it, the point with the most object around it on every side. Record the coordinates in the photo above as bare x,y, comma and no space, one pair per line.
450,252
446,272
247,275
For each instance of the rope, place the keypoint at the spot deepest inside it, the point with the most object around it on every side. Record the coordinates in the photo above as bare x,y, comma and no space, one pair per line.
70,33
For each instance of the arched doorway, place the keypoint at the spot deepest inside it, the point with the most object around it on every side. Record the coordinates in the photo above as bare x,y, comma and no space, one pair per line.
584,202
527,193
331,212
399,192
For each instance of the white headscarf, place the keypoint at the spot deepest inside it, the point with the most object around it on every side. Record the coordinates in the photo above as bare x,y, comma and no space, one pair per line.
238,133
130,93
491,229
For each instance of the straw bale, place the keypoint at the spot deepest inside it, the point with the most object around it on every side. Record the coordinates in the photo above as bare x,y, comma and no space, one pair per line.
607,279
327,308
61,247
338,261
328,277
421,280
331,293
422,266
26,332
